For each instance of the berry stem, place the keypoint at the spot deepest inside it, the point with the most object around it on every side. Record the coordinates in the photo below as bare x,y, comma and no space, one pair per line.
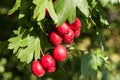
41,52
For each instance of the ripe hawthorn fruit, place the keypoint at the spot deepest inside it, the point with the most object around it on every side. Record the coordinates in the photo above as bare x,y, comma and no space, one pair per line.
69,37
37,68
77,33
60,53
75,25
63,29
55,38
48,63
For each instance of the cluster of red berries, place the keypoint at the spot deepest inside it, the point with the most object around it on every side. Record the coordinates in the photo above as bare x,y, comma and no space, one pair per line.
63,33
47,63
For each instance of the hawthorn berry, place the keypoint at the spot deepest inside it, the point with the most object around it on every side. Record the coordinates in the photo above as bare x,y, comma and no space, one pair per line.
52,69
55,38
48,63
37,68
60,53
75,25
69,37
77,33
63,29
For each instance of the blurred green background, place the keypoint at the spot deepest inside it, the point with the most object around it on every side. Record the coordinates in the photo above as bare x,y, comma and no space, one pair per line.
11,69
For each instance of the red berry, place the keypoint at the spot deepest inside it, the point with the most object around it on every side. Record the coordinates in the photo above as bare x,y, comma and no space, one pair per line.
63,29
52,69
69,37
55,38
48,63
77,33
37,68
76,25
60,53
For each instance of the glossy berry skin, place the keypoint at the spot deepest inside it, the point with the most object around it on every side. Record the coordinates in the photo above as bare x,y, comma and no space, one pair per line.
37,68
63,29
69,37
75,25
52,69
60,53
77,33
55,38
48,63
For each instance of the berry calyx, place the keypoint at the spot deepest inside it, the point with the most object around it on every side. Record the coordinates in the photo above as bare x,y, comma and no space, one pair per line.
60,53
55,38
37,68
63,29
48,63
69,37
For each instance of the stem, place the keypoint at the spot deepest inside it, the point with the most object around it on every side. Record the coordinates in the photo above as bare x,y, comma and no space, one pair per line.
41,52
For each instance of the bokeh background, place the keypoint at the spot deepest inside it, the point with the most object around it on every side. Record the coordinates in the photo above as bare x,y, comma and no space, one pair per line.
11,69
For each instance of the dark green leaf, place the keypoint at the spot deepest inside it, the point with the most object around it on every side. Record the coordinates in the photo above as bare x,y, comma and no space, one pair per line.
76,64
84,65
89,64
24,8
100,40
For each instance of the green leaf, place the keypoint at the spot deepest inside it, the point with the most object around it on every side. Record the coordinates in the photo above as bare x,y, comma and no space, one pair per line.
65,9
15,7
39,11
114,1
14,43
84,65
24,8
104,2
25,46
51,11
75,64
37,49
26,55
83,7
94,3
100,40
89,64
26,41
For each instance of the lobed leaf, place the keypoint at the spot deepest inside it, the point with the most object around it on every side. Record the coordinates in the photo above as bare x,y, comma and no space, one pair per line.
51,11
15,7
65,9
89,64
39,11
83,7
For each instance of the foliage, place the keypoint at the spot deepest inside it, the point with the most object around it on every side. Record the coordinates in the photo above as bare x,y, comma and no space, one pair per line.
31,36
